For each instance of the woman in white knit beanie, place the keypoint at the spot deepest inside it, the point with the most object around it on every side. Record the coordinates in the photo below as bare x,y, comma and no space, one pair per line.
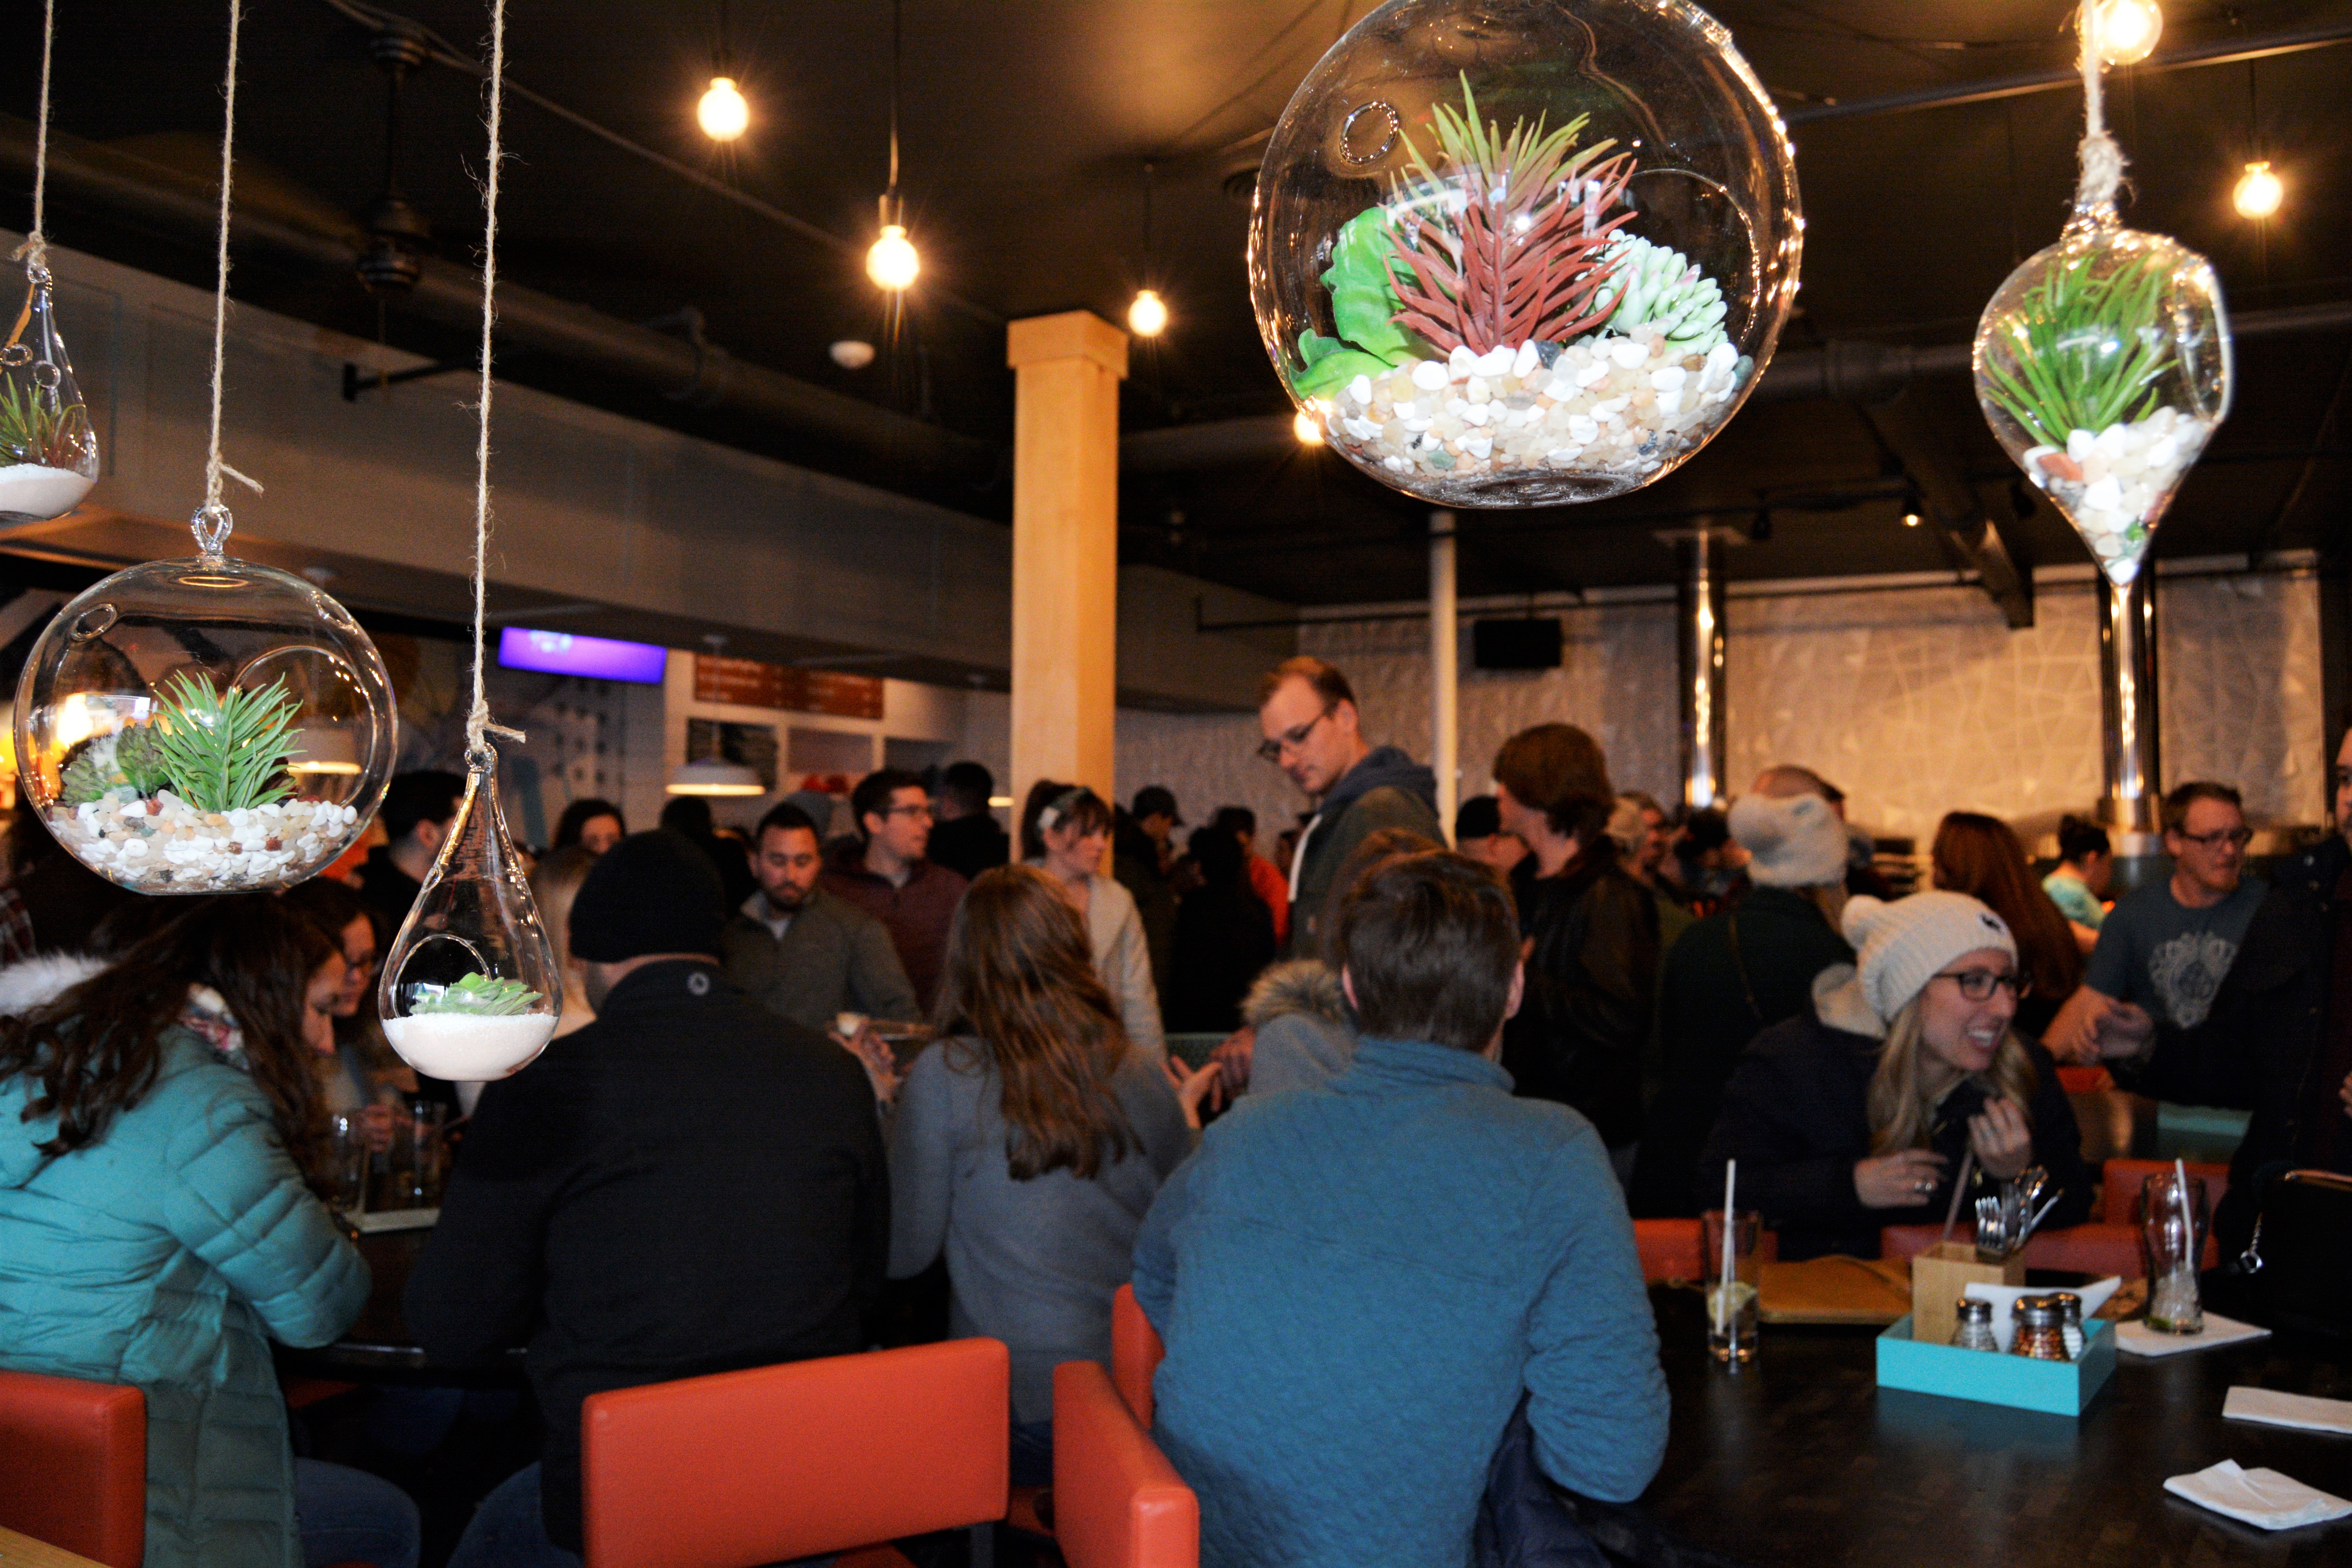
1858,1116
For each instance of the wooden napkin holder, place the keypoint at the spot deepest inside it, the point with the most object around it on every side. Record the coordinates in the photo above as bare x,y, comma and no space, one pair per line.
1941,1276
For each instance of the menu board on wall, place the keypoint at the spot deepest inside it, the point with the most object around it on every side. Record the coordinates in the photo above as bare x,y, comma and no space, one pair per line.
750,683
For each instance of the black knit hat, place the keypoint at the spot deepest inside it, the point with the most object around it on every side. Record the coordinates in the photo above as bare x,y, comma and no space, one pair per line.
652,892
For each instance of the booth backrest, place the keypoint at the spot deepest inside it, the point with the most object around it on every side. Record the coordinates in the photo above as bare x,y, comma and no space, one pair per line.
1117,1502
747,1468
73,1465
2120,1181
1135,1353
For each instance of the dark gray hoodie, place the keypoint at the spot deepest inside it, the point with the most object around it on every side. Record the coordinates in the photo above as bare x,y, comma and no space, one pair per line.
1386,789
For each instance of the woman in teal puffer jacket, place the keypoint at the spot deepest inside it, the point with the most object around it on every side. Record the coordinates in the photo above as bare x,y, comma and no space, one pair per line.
159,1123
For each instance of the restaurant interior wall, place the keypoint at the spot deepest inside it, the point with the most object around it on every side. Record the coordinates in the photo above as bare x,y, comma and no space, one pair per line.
1915,701
613,527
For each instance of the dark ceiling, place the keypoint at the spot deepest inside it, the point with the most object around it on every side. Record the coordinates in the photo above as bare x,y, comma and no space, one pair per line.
1025,129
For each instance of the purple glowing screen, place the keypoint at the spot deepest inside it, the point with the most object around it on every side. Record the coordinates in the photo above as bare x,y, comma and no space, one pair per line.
598,659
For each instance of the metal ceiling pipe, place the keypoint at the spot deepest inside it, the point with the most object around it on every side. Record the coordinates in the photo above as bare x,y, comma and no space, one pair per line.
1841,372
153,196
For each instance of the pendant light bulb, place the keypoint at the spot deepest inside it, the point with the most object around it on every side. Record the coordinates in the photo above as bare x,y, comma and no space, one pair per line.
2129,29
723,113
892,263
1147,317
1307,428
2259,191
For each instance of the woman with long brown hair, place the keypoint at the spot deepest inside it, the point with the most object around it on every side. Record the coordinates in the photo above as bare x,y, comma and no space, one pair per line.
1982,857
162,1154
1029,1143
1859,1112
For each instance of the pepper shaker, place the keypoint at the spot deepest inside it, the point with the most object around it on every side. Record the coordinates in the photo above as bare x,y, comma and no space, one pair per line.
1974,1332
2038,1335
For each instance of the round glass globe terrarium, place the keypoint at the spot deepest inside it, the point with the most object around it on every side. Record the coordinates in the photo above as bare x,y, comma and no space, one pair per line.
205,725
1525,252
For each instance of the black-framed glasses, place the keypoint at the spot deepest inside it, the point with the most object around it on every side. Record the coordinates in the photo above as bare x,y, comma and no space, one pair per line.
1979,985
2235,837
1290,740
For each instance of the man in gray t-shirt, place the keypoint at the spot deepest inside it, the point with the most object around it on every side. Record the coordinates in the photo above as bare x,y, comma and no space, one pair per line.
2167,947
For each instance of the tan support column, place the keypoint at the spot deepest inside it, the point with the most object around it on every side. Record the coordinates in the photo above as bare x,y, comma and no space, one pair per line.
1068,368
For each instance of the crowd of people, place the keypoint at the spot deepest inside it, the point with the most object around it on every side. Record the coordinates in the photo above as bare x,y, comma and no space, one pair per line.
1385,1224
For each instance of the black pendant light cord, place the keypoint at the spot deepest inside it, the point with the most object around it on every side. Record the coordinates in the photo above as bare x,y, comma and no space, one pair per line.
890,209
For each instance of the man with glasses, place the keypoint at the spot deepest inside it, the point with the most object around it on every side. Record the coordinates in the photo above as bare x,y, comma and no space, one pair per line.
2277,1041
2166,948
1307,712
883,872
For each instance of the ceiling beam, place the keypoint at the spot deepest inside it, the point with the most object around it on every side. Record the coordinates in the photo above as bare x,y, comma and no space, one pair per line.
2003,569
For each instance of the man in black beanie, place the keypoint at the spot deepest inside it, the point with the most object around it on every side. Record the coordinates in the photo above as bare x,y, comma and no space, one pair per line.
689,1184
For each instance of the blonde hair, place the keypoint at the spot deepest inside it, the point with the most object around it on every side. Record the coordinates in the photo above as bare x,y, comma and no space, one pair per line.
555,882
1901,1112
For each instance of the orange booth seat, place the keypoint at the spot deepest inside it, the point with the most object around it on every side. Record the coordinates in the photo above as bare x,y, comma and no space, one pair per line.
1117,1502
1136,1353
779,1462
73,1465
1676,1248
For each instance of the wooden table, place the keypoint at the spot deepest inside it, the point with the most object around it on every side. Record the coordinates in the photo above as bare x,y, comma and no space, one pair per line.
23,1552
379,1346
1800,1461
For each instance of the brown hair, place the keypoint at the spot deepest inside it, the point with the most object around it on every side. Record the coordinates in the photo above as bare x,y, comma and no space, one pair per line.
1328,683
1979,856
2173,812
1429,943
1901,1115
1077,803
1558,770
1020,986
94,1051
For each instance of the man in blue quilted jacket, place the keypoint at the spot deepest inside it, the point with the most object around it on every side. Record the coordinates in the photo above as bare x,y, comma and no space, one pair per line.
1356,1283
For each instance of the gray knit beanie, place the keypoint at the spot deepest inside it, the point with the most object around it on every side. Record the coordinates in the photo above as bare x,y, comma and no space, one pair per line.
1902,945
1792,841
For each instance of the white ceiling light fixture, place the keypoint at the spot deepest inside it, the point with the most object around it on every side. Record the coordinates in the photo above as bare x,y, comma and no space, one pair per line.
1148,316
2129,29
715,776
892,263
724,113
852,353
2259,192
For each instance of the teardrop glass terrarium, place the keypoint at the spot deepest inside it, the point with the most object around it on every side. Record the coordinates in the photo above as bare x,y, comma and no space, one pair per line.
1525,252
205,725
48,453
470,990
2104,366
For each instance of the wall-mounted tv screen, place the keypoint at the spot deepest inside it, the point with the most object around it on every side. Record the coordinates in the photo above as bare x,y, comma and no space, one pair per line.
598,659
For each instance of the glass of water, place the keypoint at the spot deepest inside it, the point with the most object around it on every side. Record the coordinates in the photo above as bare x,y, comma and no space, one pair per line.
2172,1245
1731,1293
347,1162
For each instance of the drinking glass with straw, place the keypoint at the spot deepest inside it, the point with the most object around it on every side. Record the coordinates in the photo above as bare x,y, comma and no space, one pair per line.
1731,1273
2172,1230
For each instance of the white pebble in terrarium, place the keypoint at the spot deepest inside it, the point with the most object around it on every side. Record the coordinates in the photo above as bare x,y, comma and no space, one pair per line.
2114,484
197,799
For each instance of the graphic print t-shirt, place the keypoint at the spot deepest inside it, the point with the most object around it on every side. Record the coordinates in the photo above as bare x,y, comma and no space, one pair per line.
2170,959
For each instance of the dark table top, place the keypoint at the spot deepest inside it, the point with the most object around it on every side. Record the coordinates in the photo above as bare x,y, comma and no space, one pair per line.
379,1345
1800,1460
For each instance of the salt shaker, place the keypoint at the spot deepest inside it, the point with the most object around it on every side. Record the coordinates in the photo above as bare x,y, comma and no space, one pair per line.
2038,1335
2070,1321
1974,1332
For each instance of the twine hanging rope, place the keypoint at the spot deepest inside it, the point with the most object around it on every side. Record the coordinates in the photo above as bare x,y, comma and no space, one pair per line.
478,718
35,252
2102,160
212,522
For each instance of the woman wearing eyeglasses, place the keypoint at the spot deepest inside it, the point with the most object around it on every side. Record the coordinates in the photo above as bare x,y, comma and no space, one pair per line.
1858,1113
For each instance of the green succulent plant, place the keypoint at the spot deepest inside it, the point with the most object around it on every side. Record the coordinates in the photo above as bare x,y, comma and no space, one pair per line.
34,429
2082,352
1655,286
475,996
225,751
128,761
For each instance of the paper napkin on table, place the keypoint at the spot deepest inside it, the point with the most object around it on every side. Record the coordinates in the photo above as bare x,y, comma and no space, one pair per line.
2138,1339
2258,1497
2306,1411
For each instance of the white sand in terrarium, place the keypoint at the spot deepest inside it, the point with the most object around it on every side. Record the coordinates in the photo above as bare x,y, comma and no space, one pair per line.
38,490
467,1048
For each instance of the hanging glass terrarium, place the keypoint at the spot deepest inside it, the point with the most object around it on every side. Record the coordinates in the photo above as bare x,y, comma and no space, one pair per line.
1525,252
48,453
205,725
2103,365
470,990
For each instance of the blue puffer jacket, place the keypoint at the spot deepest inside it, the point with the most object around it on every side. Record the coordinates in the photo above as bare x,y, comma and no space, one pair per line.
163,1255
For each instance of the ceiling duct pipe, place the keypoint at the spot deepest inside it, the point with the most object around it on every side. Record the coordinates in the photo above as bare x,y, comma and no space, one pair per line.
300,238
1859,373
